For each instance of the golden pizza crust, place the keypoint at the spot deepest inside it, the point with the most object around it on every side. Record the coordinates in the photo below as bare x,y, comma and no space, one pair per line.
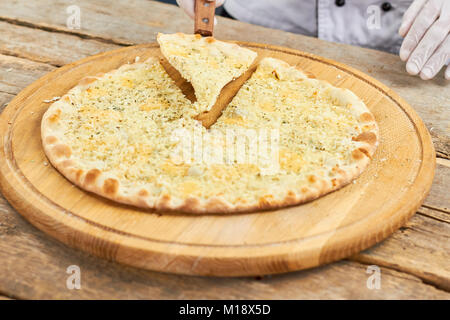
225,188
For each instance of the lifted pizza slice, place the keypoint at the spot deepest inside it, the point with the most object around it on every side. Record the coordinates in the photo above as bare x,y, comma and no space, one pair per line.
208,64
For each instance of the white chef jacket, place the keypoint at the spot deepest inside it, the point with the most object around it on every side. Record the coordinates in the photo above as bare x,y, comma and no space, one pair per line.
367,23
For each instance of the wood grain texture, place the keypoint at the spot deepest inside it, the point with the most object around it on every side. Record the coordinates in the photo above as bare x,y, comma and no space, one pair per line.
301,237
12,82
137,21
24,250
422,236
58,49
439,199
4,99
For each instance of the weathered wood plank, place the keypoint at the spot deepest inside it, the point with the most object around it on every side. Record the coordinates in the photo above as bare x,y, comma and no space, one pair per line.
439,196
44,276
17,73
47,47
421,248
135,21
434,214
139,20
444,162
4,99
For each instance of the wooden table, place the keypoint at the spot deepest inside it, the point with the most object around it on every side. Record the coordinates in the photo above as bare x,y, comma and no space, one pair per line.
34,39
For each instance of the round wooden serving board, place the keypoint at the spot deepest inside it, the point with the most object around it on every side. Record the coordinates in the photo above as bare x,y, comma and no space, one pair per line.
330,228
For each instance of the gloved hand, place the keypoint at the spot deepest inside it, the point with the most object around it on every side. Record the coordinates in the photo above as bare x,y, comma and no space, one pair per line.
188,7
426,47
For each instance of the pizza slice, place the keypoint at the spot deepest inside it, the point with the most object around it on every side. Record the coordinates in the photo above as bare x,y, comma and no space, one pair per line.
208,64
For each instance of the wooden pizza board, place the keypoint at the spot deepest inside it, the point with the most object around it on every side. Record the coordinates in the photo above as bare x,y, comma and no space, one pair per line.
333,227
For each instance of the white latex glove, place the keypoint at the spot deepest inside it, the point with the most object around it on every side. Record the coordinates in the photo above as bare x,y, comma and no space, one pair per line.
188,7
426,47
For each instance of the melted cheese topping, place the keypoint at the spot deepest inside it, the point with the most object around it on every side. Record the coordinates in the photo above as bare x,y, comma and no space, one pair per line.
123,124
315,124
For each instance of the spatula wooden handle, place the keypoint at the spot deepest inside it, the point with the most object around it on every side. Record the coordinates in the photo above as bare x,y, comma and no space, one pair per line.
204,17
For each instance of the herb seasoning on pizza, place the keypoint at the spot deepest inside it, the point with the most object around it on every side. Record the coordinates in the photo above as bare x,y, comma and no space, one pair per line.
114,135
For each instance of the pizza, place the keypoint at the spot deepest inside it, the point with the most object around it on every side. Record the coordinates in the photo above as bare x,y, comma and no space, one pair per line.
208,64
130,135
